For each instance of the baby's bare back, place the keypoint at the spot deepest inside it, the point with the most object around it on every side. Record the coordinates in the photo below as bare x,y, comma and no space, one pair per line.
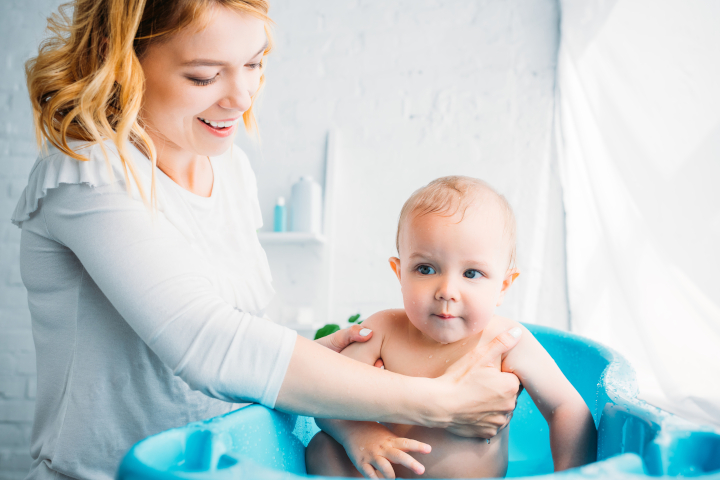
452,456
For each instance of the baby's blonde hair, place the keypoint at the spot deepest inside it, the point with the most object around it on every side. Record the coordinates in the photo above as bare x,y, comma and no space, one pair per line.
446,196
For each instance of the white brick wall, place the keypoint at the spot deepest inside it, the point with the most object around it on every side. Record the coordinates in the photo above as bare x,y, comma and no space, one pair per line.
21,28
416,88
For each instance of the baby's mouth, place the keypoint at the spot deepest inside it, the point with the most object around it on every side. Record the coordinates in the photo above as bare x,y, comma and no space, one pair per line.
444,316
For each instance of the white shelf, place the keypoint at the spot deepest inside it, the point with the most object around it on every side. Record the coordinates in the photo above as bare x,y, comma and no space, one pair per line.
304,326
285,238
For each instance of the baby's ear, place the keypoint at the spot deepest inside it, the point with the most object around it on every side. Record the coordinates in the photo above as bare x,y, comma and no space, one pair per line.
510,277
395,265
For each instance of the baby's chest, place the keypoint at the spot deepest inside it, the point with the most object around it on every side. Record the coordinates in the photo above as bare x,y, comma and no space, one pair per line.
418,362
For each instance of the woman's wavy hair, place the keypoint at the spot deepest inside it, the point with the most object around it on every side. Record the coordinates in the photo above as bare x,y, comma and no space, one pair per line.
86,82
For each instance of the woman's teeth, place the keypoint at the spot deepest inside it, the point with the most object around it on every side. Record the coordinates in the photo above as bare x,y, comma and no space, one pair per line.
218,124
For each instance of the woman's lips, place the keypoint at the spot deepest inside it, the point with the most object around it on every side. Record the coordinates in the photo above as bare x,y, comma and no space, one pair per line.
219,132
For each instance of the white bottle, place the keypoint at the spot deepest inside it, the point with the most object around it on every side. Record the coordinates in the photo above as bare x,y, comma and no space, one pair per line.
306,206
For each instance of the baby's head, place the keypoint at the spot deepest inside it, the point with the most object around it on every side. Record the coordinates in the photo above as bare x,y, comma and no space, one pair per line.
456,247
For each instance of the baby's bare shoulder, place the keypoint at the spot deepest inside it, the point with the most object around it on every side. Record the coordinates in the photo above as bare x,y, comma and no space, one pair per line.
382,325
386,320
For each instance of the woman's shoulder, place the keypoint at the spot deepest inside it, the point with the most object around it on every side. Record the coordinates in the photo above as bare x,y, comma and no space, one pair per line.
54,167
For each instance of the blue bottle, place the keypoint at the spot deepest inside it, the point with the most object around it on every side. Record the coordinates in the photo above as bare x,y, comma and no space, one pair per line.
280,219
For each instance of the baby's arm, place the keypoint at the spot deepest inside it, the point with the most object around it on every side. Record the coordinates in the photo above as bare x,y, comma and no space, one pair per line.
573,437
370,446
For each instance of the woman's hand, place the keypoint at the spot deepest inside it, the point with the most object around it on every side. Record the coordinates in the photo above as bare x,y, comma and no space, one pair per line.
342,338
472,399
475,385
372,448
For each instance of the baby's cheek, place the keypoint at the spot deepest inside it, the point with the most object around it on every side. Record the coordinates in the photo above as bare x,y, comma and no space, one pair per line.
480,316
413,304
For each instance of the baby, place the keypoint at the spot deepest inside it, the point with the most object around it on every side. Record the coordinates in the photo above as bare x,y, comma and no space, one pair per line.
456,246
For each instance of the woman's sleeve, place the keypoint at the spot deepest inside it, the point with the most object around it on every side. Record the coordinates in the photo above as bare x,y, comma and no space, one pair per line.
152,276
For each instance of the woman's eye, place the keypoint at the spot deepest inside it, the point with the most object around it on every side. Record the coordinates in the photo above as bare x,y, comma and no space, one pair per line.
254,66
201,82
472,274
425,270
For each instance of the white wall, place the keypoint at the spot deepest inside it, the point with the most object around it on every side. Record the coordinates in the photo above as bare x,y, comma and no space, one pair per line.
416,89
21,28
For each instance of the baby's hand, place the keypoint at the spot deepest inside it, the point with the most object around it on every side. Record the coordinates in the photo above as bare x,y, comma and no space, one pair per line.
372,448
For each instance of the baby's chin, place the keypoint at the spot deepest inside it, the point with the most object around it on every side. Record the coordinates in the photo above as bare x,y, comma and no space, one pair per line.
444,336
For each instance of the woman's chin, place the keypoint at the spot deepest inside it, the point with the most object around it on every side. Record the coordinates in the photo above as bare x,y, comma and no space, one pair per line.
215,148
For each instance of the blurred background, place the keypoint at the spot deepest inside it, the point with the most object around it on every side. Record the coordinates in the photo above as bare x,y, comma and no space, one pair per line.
599,120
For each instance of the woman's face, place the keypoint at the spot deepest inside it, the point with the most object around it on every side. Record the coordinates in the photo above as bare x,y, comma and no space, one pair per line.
198,84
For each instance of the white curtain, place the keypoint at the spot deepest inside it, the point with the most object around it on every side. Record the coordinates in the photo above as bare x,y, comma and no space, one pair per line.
638,139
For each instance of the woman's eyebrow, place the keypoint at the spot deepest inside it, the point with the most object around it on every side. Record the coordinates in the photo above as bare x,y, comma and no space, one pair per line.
264,47
205,62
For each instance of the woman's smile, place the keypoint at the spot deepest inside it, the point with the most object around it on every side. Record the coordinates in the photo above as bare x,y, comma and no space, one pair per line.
199,85
222,128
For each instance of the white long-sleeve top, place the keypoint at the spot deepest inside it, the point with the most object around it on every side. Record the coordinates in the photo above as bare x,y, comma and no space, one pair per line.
141,322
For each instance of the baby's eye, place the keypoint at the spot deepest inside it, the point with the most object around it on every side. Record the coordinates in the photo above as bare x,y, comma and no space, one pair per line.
472,273
425,270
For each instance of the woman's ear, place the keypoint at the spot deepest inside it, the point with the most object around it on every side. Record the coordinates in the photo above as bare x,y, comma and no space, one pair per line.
510,277
395,265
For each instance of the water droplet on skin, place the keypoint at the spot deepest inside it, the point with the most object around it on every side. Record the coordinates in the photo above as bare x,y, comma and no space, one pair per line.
464,343
447,361
430,356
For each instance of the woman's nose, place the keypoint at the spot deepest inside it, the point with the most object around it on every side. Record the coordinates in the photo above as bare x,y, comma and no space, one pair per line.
239,95
447,290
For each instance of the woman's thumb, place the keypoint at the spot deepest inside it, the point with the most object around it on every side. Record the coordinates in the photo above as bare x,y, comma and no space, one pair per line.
499,345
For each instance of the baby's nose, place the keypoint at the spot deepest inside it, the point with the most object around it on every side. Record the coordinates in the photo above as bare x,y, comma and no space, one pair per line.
447,291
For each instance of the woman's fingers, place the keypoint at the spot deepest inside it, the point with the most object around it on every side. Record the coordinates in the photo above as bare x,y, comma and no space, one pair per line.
342,338
499,345
494,393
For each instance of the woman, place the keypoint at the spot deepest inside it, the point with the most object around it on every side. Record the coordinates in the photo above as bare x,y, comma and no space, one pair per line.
146,282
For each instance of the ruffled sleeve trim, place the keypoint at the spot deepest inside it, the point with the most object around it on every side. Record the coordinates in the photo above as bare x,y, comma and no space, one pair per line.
53,168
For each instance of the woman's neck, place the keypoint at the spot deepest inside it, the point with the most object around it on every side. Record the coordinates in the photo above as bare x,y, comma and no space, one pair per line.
192,172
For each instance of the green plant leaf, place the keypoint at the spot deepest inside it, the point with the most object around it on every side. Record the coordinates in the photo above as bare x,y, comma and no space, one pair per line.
328,329
354,318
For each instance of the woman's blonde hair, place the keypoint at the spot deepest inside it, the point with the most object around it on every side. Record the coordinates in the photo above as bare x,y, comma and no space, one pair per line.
86,82
446,196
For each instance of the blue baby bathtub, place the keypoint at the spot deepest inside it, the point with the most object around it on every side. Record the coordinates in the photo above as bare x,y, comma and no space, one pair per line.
635,440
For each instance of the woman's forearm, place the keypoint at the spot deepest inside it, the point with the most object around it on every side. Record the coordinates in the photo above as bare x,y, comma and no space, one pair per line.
471,399
324,384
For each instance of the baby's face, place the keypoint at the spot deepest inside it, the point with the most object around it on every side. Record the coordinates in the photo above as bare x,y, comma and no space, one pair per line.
453,273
